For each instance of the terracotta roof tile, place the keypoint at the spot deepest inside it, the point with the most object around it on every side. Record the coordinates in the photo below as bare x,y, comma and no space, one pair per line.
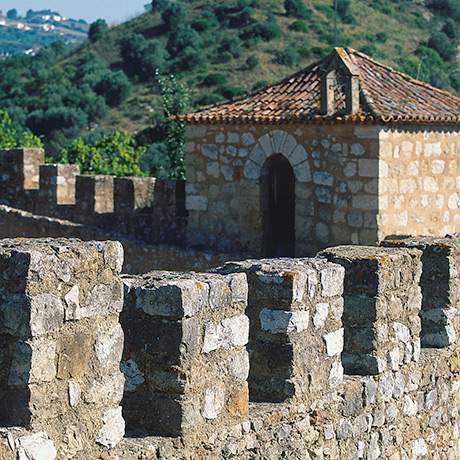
386,95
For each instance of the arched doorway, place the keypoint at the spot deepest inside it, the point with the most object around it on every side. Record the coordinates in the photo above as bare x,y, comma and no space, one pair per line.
278,206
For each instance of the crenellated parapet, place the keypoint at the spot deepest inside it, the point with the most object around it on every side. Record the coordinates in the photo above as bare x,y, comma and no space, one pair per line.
382,301
143,208
61,342
296,338
277,358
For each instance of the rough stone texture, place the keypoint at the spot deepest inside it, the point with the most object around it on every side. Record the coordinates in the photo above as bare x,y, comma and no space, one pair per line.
139,257
440,287
19,172
185,339
59,339
354,184
187,333
421,189
142,208
336,190
290,355
57,189
382,301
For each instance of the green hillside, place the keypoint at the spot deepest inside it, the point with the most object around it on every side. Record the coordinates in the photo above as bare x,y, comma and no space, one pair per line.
219,49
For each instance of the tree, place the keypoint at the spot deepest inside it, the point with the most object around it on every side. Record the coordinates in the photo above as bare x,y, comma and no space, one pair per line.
12,137
344,10
183,36
12,14
142,57
174,15
297,9
451,29
159,5
175,101
97,30
440,42
115,153
67,119
114,86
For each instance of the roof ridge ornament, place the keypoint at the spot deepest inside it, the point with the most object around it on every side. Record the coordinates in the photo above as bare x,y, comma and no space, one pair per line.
339,60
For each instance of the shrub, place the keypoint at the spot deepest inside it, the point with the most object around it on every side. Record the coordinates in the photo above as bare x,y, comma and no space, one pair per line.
67,119
298,26
304,51
225,57
142,57
297,9
115,153
184,36
12,137
159,5
229,92
174,15
213,79
115,87
432,68
93,106
156,161
252,62
381,37
288,57
320,51
267,30
234,16
97,30
344,10
440,42
188,59
451,29
207,20
370,50
455,81
259,85
232,45
448,8
209,99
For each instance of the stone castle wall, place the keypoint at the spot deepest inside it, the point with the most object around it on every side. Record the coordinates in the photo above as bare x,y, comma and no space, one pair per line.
141,208
139,256
420,192
349,355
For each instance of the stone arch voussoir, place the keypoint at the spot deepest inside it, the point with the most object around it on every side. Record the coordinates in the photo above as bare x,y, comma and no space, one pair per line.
278,142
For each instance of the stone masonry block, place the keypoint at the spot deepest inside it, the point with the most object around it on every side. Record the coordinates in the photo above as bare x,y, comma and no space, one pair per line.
440,287
20,176
133,194
57,187
382,301
61,341
94,195
185,356
20,167
296,339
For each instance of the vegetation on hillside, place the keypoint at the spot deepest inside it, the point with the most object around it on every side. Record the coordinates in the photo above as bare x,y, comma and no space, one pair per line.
25,34
12,136
217,50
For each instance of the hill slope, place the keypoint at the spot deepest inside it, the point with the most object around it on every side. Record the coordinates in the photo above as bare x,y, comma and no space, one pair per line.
37,29
233,59
219,49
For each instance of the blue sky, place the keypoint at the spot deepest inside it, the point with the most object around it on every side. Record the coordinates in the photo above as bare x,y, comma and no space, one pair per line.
111,10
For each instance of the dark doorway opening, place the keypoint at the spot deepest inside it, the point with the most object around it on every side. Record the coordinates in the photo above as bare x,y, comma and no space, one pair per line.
278,205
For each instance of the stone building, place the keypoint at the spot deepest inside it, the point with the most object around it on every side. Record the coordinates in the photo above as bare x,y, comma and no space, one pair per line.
347,150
